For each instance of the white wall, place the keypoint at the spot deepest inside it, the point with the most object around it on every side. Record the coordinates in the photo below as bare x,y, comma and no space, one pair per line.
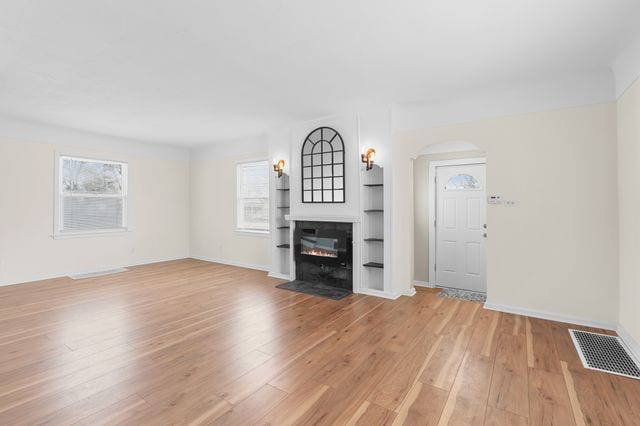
158,203
213,205
628,108
556,251
347,127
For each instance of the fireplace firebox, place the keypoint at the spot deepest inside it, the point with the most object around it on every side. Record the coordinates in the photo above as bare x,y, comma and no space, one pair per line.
323,253
311,245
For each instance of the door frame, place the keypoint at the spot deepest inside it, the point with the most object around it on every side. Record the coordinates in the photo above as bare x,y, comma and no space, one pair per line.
432,206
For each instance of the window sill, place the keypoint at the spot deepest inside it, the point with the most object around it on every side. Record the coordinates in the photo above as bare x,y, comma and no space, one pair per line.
71,235
253,233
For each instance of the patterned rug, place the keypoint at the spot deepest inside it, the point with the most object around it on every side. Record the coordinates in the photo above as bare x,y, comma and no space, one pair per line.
472,296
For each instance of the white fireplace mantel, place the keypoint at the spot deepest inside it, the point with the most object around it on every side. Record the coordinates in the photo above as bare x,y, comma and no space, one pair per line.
322,218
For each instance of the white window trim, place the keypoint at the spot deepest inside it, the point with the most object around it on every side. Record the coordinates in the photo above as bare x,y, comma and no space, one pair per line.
57,216
248,231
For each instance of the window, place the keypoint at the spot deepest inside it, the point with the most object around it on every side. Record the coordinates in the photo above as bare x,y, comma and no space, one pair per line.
462,182
253,196
323,167
92,196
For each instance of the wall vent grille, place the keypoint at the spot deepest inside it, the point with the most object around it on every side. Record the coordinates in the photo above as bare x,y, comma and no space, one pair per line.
605,353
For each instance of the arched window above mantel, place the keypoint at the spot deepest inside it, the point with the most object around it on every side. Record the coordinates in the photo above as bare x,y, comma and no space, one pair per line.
323,167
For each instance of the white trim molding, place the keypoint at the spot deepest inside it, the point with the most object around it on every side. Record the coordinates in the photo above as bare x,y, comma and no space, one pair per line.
322,218
562,91
626,67
410,292
629,341
425,284
257,267
279,276
378,293
41,277
570,319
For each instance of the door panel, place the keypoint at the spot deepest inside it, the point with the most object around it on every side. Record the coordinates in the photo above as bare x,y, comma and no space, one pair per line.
460,219
473,258
448,256
449,213
473,214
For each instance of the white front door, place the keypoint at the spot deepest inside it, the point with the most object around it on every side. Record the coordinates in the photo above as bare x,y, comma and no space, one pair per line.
460,227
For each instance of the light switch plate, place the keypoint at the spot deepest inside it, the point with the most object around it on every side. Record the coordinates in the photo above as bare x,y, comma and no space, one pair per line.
494,200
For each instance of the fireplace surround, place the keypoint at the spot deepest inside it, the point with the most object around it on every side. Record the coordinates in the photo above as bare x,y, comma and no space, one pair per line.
323,253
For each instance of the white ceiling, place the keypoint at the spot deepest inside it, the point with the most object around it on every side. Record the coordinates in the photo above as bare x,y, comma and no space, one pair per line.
195,71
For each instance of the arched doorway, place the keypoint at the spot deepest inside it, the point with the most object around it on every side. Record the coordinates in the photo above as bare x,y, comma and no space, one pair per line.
449,206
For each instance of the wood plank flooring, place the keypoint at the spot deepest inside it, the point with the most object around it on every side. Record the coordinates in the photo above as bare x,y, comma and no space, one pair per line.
191,342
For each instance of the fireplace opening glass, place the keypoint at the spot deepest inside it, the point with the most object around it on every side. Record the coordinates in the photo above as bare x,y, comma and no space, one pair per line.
316,246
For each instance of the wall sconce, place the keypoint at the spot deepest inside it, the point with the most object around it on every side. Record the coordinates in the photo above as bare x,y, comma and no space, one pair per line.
278,167
368,156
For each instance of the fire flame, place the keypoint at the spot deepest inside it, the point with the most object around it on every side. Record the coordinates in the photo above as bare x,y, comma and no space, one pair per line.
319,252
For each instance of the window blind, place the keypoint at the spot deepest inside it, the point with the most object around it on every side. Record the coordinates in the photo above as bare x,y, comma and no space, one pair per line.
92,195
253,196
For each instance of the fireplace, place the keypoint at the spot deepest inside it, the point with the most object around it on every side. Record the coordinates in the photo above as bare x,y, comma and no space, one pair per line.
323,253
311,245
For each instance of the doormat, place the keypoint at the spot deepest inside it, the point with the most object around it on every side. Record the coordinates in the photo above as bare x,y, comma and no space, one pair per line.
470,296
316,289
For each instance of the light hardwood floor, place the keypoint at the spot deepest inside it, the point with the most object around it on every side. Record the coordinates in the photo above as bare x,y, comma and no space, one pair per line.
191,342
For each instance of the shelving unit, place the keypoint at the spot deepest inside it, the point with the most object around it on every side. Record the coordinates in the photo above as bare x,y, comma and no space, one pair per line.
372,202
282,238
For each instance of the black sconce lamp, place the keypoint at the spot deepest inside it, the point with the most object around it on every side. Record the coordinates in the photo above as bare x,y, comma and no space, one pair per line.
368,156
278,167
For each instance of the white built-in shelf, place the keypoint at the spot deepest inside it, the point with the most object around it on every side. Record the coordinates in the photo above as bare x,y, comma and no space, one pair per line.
282,238
372,249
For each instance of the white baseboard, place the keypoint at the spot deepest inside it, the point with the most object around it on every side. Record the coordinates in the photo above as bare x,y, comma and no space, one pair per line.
41,277
426,284
410,292
631,343
378,293
570,319
257,267
279,276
